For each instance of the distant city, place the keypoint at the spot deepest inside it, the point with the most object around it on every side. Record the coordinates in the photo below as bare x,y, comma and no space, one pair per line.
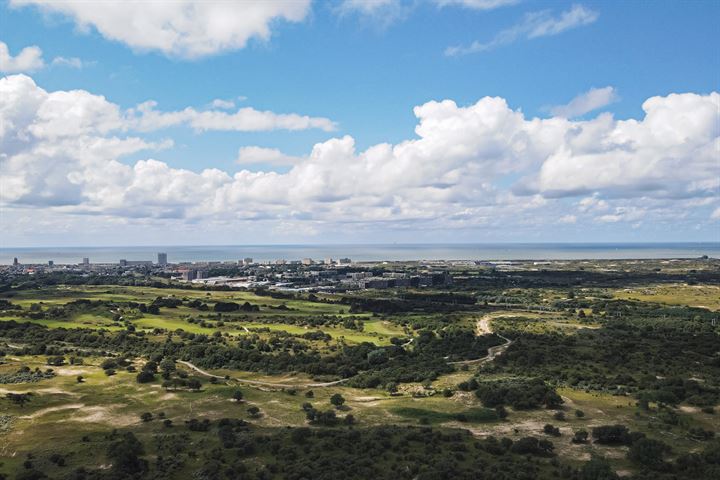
281,274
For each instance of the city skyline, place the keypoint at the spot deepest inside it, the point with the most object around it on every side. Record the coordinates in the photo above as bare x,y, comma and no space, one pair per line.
354,122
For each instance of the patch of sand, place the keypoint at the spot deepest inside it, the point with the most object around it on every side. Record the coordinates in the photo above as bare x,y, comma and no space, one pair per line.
74,370
57,391
104,415
40,413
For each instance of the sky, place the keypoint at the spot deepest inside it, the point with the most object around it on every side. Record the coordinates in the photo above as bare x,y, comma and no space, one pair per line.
364,121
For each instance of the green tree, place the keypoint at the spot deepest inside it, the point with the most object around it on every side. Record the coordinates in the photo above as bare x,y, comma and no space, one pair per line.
125,456
337,400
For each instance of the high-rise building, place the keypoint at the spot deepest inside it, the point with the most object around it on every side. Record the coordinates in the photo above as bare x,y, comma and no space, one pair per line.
162,259
86,261
123,262
15,262
50,263
248,261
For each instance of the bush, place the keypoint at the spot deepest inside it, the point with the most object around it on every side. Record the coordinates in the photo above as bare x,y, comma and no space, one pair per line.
226,307
520,394
337,400
580,436
649,453
145,377
533,446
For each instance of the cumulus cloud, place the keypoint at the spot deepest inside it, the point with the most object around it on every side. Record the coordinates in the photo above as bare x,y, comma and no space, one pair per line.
534,25
61,150
29,59
586,102
181,28
671,152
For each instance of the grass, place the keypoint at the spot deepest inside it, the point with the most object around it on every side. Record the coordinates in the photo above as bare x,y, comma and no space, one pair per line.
704,296
375,331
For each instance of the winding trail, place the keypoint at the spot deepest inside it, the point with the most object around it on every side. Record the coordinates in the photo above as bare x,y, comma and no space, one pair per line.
264,384
483,328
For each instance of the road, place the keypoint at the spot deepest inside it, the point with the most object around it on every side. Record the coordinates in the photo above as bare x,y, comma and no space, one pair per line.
483,328
264,384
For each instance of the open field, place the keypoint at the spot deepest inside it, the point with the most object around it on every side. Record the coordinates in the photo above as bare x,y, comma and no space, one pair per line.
703,296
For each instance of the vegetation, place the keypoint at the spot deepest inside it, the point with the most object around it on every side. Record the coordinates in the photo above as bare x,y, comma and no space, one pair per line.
578,371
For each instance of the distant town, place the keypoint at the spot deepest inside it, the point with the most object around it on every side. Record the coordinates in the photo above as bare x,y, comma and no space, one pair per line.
281,274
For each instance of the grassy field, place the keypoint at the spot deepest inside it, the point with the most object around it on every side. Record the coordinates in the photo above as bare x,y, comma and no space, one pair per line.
269,317
703,296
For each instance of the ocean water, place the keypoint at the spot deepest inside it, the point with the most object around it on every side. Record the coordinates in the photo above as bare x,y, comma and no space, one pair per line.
484,251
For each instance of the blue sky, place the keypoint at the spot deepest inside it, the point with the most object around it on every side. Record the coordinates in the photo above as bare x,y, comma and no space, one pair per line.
365,70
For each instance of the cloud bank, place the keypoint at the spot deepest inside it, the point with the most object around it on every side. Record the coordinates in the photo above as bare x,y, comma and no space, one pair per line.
62,151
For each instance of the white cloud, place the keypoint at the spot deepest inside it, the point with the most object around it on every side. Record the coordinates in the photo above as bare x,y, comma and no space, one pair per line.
377,13
29,59
477,4
72,62
568,219
61,151
592,204
624,214
146,118
715,215
180,28
222,104
367,7
586,102
534,25
671,152
270,156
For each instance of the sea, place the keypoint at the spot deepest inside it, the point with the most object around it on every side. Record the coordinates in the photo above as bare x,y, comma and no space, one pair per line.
363,253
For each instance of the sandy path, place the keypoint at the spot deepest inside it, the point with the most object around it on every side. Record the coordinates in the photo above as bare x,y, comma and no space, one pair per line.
483,328
265,384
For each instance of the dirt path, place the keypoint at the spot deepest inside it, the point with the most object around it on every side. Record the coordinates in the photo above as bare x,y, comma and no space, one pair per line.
483,328
265,384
